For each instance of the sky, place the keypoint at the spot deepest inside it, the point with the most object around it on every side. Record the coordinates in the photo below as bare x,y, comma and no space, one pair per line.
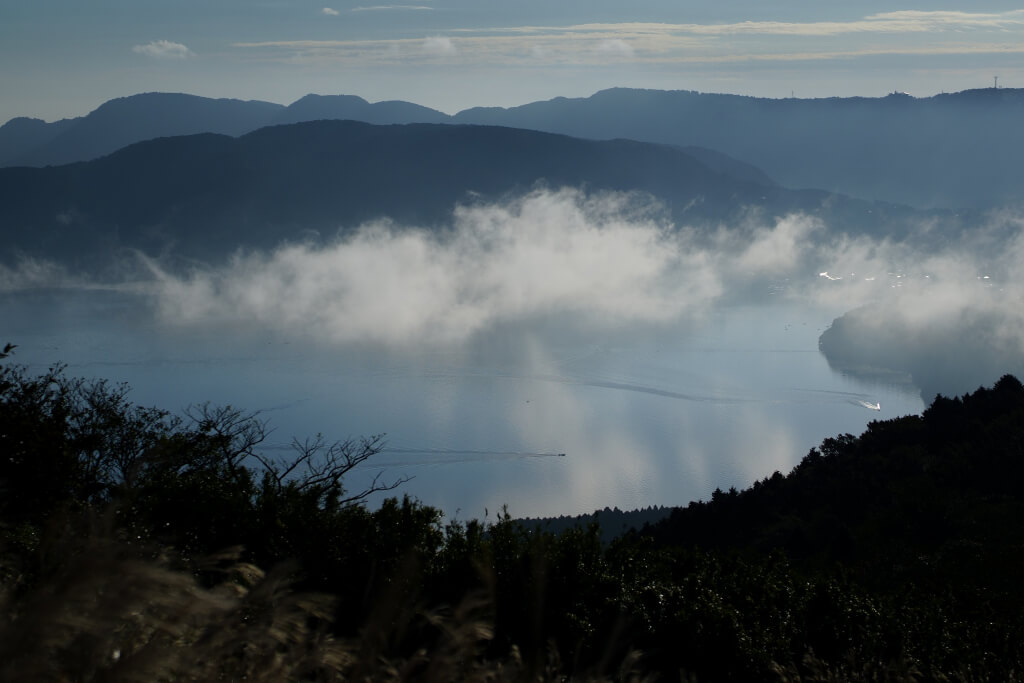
63,58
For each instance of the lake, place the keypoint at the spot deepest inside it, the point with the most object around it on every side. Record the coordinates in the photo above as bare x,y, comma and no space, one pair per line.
649,415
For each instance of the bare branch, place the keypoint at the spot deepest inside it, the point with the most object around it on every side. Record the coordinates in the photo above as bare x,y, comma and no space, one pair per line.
335,460
232,433
375,487
321,467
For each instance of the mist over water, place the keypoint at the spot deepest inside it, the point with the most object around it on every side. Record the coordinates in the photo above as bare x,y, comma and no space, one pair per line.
663,361
606,259
657,416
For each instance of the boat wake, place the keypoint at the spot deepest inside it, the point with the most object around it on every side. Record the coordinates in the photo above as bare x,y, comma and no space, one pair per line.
417,457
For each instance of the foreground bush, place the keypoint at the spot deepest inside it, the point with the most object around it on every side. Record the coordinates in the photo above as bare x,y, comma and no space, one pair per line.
889,556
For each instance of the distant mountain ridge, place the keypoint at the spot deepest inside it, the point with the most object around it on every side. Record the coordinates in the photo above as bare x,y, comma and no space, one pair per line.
958,150
203,196
351,107
126,120
22,136
952,150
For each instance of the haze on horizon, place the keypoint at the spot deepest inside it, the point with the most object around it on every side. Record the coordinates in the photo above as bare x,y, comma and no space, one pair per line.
62,59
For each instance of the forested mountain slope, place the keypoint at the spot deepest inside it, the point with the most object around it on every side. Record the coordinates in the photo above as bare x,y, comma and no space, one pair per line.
894,555
203,196
950,150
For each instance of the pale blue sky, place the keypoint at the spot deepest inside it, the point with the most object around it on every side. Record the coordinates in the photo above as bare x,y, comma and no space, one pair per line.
62,58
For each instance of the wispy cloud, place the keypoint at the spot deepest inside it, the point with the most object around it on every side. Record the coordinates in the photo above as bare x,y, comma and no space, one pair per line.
31,273
906,33
606,261
385,8
163,49
889,22
329,12
548,253
616,47
439,45
951,317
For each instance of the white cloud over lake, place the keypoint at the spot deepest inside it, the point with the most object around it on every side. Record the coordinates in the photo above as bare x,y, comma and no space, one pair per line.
605,260
602,262
952,317
548,253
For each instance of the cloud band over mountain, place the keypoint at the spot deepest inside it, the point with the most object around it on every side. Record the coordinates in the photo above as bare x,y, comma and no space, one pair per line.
604,261
597,257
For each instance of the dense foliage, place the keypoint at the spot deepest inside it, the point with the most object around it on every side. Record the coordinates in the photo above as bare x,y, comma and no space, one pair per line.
889,555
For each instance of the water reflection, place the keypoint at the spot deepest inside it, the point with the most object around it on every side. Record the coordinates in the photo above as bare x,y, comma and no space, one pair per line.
655,416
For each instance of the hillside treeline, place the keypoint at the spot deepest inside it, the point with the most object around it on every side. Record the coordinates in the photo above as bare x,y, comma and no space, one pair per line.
140,545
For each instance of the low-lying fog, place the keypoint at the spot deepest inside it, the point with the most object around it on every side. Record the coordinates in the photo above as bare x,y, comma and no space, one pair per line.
662,361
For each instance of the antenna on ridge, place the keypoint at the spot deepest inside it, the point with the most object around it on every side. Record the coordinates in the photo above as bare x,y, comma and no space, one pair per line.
996,82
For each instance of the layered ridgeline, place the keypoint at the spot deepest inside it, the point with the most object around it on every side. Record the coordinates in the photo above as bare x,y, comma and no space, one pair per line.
203,196
126,120
951,150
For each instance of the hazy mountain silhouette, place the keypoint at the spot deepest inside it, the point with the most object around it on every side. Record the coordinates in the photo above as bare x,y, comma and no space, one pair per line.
124,121
19,136
205,195
723,163
956,150
953,150
316,107
127,120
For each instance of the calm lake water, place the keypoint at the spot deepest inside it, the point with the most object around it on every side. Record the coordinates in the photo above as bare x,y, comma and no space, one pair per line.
645,416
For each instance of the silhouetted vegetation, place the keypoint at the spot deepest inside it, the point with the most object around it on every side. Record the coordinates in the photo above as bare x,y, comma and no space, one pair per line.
140,545
612,522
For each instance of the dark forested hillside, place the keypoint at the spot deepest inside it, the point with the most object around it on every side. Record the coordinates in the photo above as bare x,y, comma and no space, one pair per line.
948,355
955,150
950,150
203,196
924,513
894,555
904,497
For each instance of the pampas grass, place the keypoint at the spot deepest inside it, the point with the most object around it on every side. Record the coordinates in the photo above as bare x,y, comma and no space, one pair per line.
100,607
103,609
